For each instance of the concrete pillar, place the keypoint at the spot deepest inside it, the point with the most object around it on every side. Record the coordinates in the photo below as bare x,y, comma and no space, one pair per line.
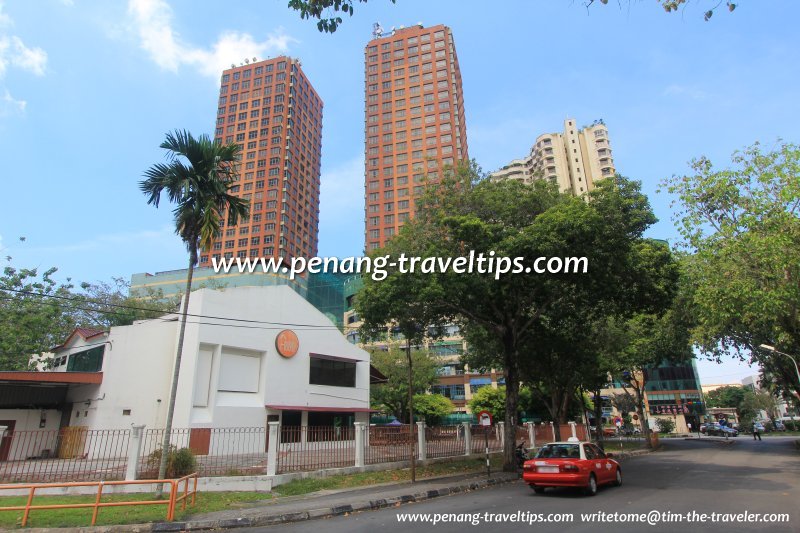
531,434
303,427
423,450
272,448
134,452
501,427
359,430
553,431
467,438
572,428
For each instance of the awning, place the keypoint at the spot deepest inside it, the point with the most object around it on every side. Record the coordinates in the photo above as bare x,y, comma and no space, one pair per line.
85,378
480,381
321,409
376,376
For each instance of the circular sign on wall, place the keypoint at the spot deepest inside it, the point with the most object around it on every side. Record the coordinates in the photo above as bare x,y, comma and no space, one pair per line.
287,343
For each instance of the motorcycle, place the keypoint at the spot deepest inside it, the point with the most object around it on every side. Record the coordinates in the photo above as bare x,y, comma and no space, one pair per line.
521,454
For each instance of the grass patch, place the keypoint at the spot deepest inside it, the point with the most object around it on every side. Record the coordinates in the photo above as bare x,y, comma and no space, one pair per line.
306,486
110,516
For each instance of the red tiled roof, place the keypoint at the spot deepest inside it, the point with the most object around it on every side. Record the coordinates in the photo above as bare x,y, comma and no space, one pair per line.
85,333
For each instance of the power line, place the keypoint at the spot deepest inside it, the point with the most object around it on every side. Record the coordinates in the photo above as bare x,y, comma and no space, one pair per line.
135,308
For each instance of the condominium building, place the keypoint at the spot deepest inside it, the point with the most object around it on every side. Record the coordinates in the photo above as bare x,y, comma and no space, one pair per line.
575,159
414,122
271,110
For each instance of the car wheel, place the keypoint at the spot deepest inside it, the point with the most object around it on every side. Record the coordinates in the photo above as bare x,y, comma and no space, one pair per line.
591,488
618,478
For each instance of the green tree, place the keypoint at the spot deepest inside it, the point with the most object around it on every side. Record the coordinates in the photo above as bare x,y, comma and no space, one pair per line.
35,314
105,305
432,407
392,396
665,425
197,177
489,399
742,226
727,396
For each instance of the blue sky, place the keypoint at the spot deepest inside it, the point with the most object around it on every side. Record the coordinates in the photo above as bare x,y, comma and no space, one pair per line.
89,88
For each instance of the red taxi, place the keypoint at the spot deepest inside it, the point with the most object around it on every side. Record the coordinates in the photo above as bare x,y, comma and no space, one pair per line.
571,464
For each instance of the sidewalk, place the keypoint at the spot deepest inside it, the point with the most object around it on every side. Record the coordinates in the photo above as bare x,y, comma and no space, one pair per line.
321,504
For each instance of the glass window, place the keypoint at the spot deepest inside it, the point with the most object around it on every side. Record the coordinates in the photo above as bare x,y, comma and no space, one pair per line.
335,373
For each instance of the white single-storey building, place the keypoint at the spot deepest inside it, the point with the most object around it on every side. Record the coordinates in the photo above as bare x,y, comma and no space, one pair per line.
250,355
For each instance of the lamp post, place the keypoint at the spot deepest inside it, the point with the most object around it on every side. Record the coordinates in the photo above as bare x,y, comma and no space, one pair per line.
772,349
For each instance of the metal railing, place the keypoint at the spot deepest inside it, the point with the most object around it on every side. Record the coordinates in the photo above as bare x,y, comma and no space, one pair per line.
218,451
386,444
304,448
444,441
174,496
68,454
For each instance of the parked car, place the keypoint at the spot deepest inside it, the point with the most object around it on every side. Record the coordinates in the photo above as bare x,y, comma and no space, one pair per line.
718,430
779,426
571,464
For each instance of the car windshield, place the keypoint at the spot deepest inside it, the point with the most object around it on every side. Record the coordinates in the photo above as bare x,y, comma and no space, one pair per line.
552,451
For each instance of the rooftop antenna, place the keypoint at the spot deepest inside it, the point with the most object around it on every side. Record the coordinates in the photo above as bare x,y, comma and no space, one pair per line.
246,61
254,60
377,30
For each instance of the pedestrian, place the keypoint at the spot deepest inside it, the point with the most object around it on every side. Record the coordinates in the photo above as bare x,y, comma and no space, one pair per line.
756,431
689,425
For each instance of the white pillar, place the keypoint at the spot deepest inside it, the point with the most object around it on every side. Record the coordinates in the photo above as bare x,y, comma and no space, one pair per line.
359,430
501,427
423,450
134,451
531,434
572,428
553,431
467,438
272,448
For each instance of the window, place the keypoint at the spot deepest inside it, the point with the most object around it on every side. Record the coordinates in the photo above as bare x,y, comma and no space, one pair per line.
334,372
86,361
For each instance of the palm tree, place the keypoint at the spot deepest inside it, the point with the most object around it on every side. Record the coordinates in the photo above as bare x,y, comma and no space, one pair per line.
197,177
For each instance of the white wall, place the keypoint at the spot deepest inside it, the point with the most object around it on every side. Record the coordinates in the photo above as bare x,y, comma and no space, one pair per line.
137,369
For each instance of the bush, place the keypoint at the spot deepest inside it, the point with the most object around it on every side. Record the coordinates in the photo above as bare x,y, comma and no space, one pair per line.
179,462
665,425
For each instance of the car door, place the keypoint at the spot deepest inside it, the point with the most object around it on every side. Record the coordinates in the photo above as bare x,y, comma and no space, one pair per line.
594,461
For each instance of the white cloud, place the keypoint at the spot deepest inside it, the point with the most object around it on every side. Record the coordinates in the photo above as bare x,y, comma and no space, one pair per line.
68,3
5,20
10,105
152,22
16,53
149,238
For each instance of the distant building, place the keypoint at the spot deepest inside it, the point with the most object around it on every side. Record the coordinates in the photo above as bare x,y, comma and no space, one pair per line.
575,159
414,122
271,110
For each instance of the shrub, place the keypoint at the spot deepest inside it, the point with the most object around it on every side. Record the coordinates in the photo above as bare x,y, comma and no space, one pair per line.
179,462
665,425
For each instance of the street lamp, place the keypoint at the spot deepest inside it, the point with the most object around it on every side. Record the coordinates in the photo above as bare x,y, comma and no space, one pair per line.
769,348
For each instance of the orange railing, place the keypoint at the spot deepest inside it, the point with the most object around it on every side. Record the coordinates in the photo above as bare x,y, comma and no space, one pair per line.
171,502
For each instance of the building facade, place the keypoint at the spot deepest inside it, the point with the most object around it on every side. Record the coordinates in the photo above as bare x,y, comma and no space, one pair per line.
414,122
271,110
575,159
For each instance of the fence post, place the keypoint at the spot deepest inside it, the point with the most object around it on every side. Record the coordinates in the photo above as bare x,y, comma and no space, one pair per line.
572,428
134,452
467,438
501,427
423,451
272,448
359,429
531,434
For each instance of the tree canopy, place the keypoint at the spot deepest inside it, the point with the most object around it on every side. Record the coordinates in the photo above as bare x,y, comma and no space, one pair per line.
741,227
392,396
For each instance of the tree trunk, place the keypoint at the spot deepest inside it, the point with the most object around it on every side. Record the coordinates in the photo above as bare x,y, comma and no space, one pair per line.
162,466
411,411
640,412
511,373
598,417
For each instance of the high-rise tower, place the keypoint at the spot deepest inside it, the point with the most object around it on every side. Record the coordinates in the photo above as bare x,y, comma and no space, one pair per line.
270,109
414,122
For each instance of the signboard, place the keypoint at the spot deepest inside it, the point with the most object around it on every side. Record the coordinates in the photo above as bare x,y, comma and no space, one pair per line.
287,343
618,422
485,418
